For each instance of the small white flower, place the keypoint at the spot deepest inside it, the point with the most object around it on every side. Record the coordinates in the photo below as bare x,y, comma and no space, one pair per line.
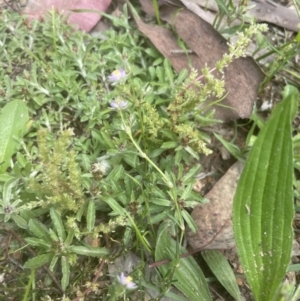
102,166
127,281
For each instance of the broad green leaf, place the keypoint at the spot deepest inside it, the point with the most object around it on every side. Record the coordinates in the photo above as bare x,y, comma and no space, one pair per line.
58,224
38,261
13,119
94,252
190,279
263,204
65,268
223,272
91,216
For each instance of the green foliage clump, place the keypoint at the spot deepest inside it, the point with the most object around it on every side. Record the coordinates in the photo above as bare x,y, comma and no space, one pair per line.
111,154
58,183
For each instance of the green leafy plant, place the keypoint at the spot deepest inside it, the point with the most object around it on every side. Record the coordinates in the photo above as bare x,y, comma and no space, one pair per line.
56,243
190,279
13,119
263,204
109,159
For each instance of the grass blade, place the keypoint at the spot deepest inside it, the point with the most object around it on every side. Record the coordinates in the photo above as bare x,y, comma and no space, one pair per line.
223,272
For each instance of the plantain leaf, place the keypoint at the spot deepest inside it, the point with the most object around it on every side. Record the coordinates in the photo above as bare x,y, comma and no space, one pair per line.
223,272
13,119
263,204
190,279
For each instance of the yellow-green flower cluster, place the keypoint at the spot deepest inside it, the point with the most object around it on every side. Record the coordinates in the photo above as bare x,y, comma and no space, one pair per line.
239,49
153,122
191,137
59,181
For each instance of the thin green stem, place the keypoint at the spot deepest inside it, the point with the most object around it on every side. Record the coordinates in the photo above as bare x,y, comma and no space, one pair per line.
30,283
138,233
142,154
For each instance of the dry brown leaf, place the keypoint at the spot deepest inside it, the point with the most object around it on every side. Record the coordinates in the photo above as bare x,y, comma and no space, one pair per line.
84,20
242,77
213,219
261,10
269,11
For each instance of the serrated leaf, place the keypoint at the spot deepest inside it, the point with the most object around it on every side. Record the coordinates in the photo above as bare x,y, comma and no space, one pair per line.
263,204
37,242
58,224
13,119
53,263
223,272
38,261
113,204
190,279
65,268
91,216
7,189
94,252
53,235
21,223
39,230
70,237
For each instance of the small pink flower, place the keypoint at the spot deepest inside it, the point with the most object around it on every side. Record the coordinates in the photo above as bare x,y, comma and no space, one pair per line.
117,75
127,281
119,104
